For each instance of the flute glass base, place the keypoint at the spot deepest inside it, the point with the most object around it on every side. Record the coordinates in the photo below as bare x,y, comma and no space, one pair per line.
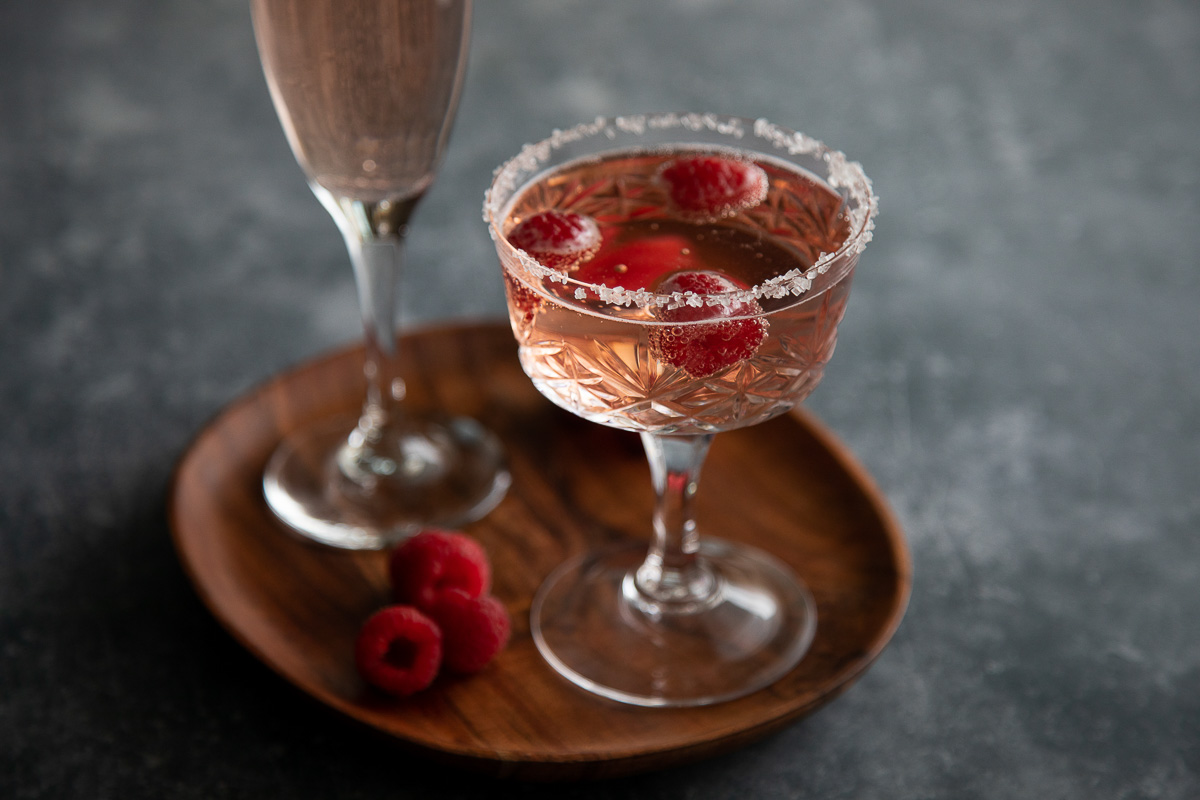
435,472
592,626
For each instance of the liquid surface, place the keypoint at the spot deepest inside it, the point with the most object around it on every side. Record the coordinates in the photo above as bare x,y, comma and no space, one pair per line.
800,218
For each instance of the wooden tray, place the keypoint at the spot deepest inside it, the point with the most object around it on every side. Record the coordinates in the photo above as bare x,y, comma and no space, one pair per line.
786,486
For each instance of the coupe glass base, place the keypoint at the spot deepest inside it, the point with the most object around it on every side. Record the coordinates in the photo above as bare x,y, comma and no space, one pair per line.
436,472
592,626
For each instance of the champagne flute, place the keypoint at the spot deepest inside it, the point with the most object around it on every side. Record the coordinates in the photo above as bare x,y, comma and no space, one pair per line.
366,92
677,275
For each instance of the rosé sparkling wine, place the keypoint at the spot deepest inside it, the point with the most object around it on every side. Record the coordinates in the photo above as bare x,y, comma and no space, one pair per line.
677,275
366,91
610,367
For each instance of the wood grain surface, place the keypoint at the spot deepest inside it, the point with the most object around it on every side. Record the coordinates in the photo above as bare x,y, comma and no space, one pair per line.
787,487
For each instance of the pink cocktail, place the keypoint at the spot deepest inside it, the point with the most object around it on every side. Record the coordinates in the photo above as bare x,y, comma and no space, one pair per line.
677,275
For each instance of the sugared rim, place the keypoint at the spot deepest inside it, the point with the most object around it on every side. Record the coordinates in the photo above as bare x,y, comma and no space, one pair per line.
841,173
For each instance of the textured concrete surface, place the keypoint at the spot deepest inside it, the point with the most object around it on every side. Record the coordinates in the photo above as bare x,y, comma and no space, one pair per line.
1018,371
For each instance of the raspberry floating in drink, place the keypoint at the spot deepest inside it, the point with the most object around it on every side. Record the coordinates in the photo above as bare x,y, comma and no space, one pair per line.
399,650
522,300
709,188
702,348
557,239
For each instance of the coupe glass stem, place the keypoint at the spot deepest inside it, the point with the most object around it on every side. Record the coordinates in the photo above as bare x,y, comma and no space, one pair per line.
674,576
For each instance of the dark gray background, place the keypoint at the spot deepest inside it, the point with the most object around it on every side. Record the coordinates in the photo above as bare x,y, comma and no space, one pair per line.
1018,370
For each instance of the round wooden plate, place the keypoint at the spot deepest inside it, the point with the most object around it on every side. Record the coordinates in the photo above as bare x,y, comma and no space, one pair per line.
786,486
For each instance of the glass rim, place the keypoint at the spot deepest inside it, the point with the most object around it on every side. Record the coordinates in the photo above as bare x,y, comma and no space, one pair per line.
841,174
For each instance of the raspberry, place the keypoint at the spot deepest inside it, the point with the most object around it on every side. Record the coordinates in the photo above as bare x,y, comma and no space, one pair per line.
474,629
638,265
701,348
435,561
399,650
709,188
557,239
523,301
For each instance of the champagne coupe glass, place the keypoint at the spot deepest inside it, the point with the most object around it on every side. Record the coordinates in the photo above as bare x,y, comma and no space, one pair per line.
628,336
366,92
